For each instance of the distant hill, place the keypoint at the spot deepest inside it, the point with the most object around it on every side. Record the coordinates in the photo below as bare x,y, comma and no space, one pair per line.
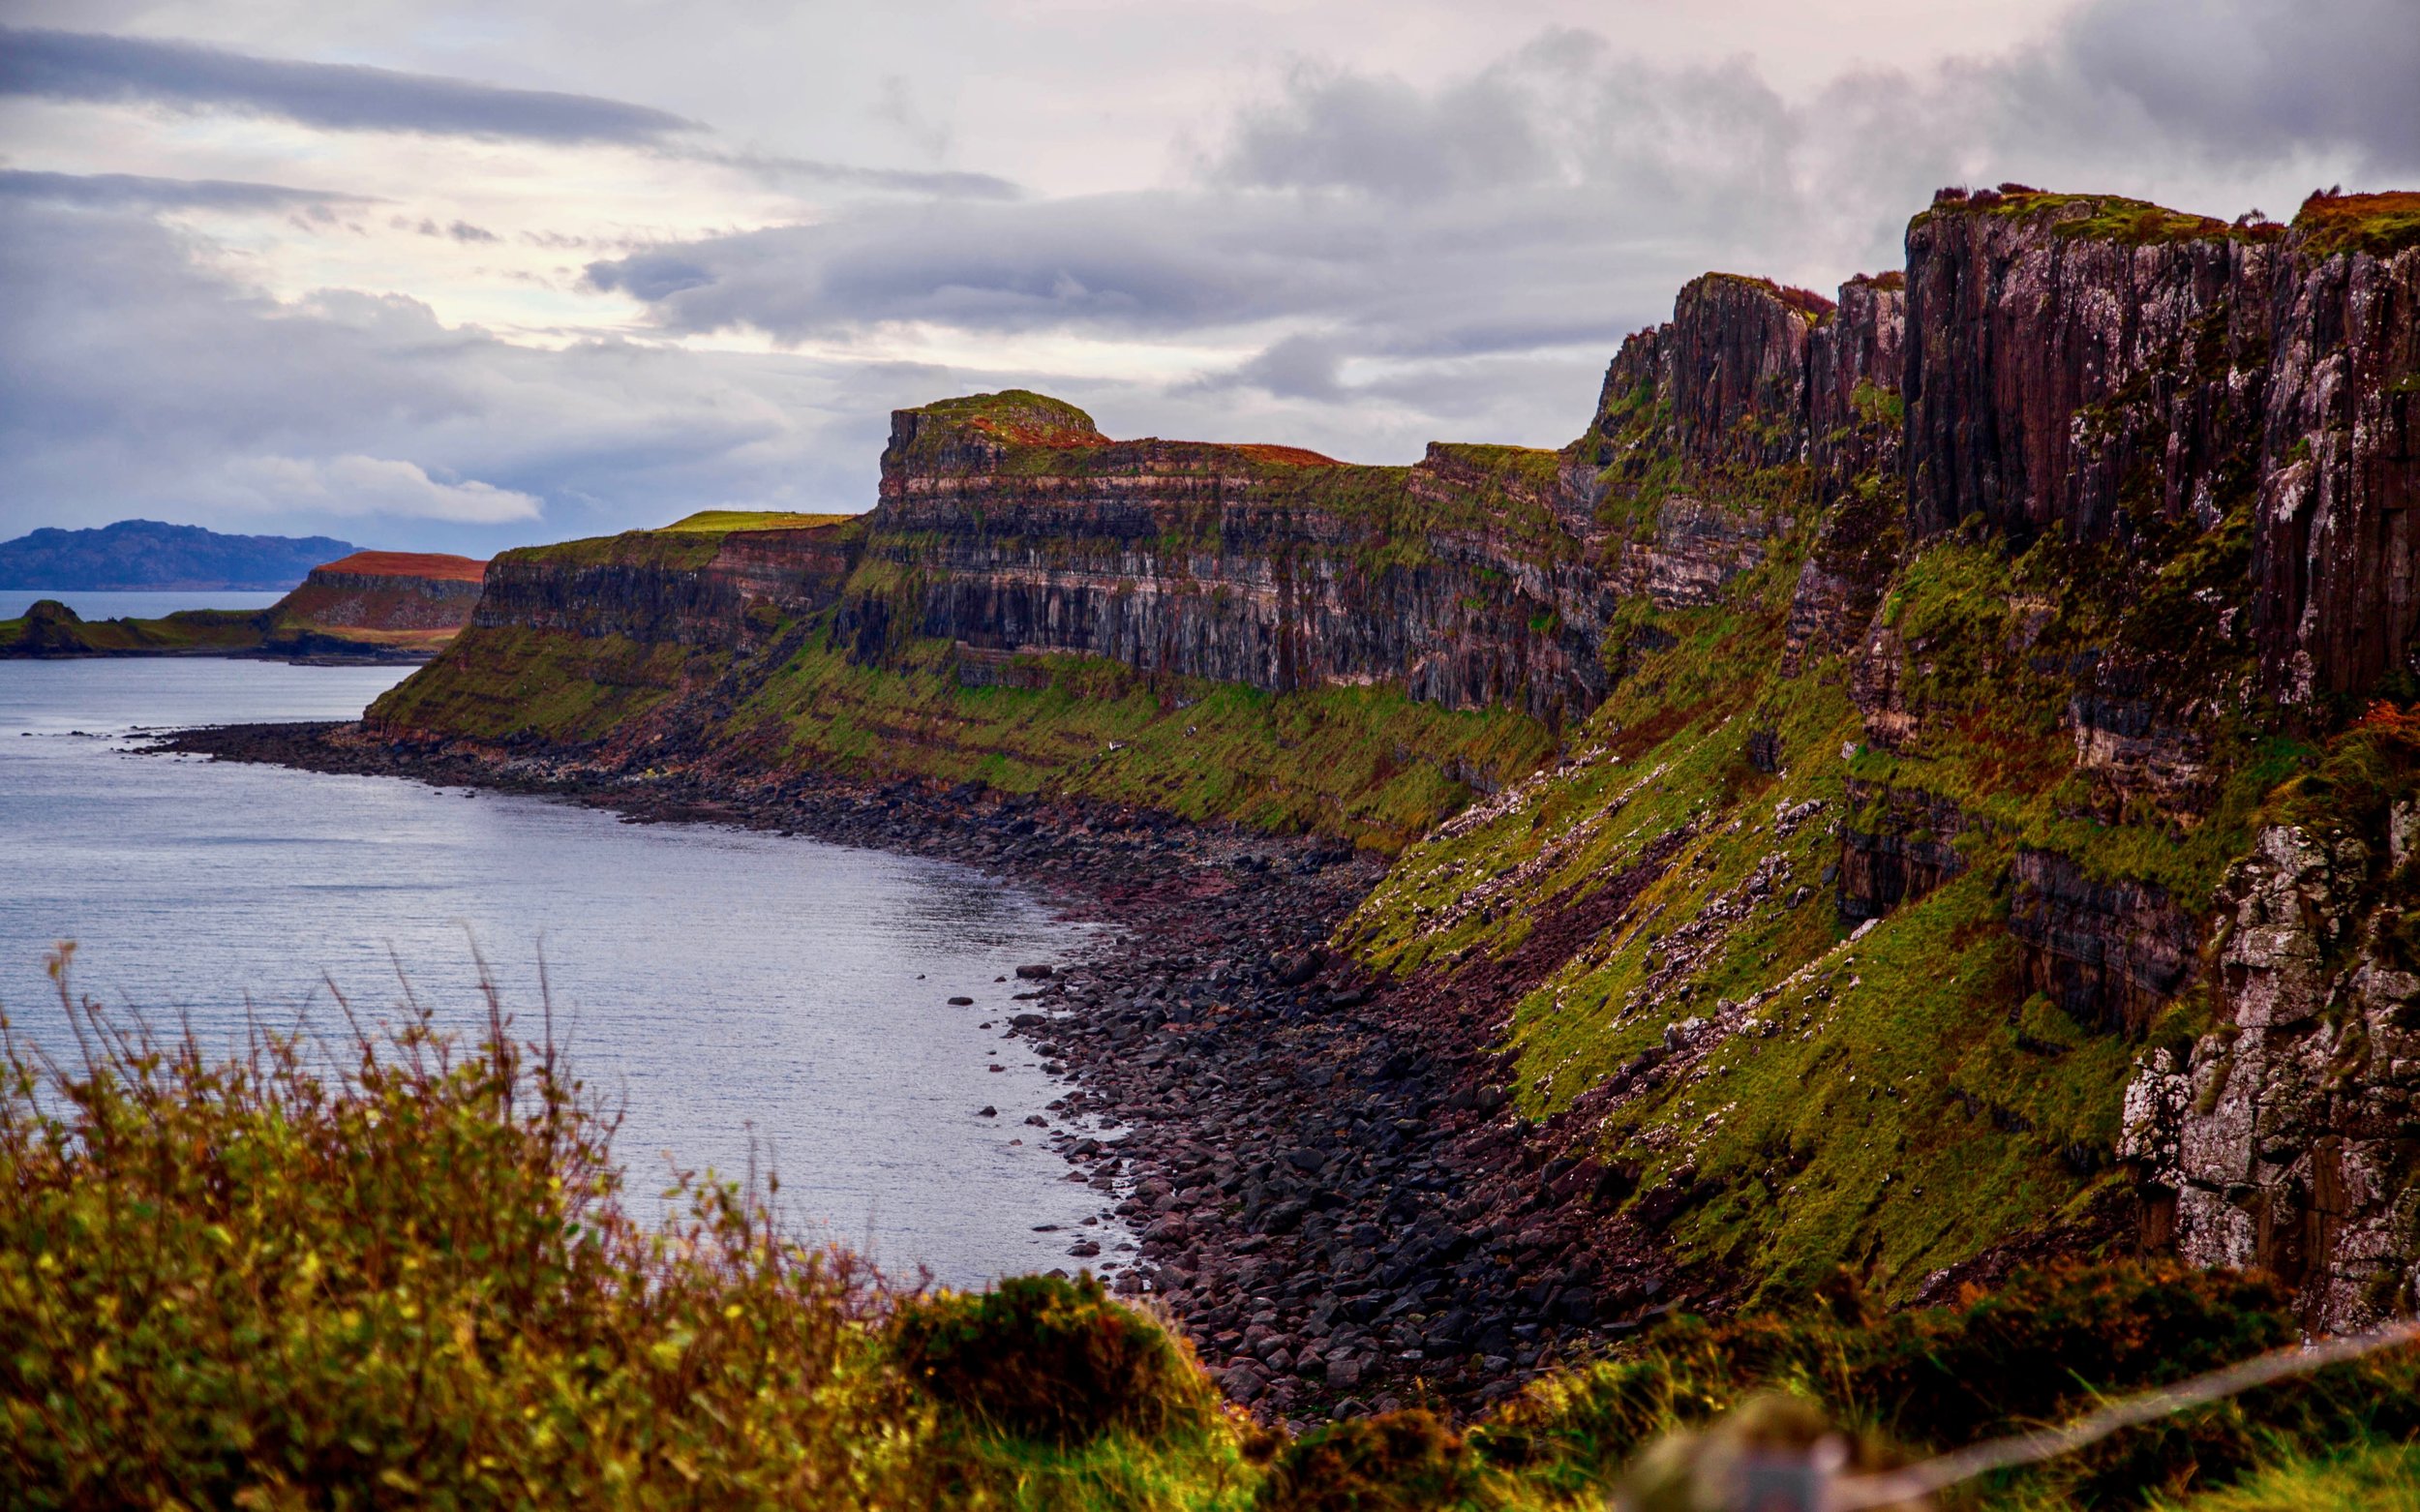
145,554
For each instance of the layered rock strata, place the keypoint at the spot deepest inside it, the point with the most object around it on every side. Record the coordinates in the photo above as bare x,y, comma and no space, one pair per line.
409,601
703,591
1268,566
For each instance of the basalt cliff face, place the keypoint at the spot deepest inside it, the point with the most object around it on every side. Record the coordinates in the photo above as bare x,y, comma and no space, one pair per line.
708,587
1025,532
2117,373
1920,780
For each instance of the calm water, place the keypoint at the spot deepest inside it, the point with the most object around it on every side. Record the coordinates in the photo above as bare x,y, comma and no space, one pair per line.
713,978
145,604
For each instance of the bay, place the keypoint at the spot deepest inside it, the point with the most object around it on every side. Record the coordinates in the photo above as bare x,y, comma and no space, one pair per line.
131,603
732,989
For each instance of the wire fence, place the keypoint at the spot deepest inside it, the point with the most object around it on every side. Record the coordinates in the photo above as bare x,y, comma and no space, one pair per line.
1817,1482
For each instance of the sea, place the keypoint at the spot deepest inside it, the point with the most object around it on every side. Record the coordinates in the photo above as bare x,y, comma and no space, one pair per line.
131,604
748,1001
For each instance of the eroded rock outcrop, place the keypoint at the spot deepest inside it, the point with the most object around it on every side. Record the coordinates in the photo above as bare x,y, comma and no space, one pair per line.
408,600
2118,373
2290,1138
1900,843
2109,953
2341,454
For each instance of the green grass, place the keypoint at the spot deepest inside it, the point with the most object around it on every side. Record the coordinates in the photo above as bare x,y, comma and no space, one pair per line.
722,522
1834,1131
1366,764
2133,223
2378,225
2373,1477
507,683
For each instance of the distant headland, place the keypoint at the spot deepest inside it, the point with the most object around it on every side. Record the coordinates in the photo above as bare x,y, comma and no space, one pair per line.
138,555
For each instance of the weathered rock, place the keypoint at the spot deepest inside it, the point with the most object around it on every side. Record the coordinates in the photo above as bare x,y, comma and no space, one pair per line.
2110,953
2285,1140
1900,845
698,597
1269,566
2103,369
2339,462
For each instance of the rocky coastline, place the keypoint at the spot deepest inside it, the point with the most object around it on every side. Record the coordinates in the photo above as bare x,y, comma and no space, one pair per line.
1329,1192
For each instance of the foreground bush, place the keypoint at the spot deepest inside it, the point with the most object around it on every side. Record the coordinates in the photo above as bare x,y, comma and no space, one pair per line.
1043,1357
1402,1461
265,1284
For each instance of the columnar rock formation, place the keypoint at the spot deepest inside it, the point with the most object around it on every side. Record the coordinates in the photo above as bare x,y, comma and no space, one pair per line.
1022,529
2114,372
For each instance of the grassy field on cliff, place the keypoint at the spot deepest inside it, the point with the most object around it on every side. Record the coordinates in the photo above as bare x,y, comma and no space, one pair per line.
395,1270
1366,764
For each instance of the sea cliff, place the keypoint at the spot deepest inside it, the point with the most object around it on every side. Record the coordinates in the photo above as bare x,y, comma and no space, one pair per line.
1921,781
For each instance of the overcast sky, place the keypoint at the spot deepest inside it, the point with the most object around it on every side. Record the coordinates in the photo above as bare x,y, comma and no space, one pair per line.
467,275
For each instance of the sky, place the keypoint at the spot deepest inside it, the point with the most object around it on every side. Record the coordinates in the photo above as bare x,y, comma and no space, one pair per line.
459,276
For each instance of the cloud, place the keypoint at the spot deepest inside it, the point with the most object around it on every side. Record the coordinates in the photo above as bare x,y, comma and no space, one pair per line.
2237,80
357,485
133,191
896,107
1299,367
941,183
147,376
1138,262
1560,193
1329,128
461,230
1554,200
88,66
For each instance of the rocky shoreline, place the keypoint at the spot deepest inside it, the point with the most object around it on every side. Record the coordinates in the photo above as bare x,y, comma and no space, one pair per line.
1332,1198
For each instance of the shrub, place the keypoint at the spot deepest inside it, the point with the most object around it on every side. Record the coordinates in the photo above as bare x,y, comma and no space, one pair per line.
270,1282
1045,1357
1402,1462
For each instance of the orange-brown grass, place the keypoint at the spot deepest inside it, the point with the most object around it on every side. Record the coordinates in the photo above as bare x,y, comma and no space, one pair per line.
407,564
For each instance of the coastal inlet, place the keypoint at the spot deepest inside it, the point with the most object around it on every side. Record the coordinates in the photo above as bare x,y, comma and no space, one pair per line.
722,986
